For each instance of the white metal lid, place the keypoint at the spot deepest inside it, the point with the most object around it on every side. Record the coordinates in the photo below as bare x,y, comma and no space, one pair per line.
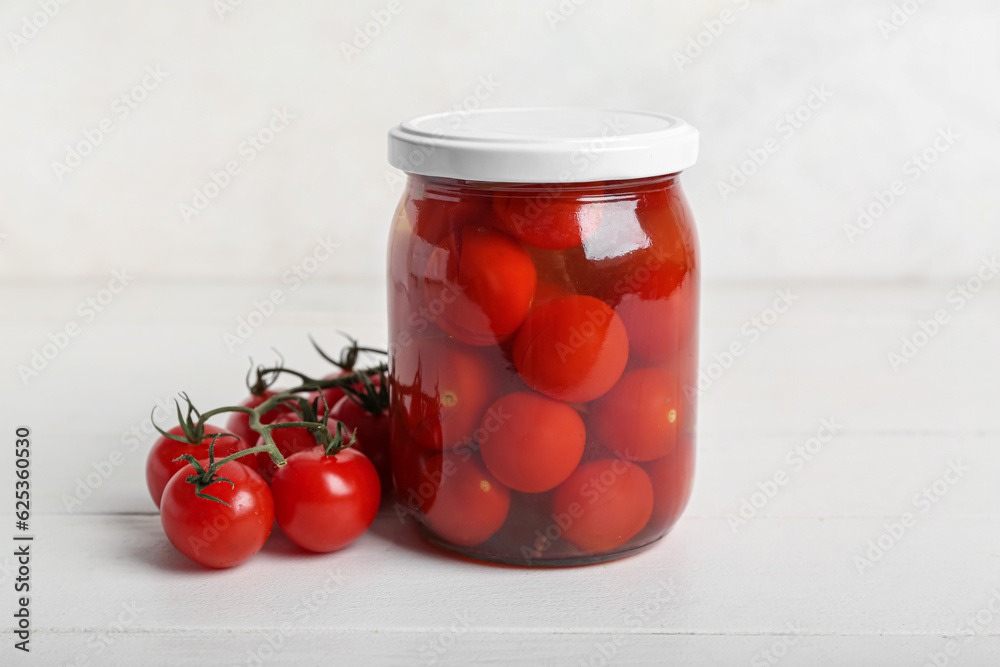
543,145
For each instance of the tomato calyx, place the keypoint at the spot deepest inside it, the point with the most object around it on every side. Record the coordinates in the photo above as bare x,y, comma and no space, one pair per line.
260,386
309,383
315,421
194,430
371,396
338,442
309,413
204,477
348,355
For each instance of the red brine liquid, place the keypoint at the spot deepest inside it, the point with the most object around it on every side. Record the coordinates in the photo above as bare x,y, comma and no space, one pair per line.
543,365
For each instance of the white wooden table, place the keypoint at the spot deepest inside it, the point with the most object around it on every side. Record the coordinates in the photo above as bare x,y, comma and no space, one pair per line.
784,588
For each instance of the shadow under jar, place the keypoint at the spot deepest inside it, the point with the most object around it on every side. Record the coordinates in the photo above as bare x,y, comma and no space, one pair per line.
543,322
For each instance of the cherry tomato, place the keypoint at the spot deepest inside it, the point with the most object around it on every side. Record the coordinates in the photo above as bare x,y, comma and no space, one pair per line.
239,422
289,441
663,214
372,432
481,282
573,349
332,395
653,288
672,477
604,504
443,389
533,443
654,326
160,464
469,504
554,217
323,503
434,213
209,532
639,417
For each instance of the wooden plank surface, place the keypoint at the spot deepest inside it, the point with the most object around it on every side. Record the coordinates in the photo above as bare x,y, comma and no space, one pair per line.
110,590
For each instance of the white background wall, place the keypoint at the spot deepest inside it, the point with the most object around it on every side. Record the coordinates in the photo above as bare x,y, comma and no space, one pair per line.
326,174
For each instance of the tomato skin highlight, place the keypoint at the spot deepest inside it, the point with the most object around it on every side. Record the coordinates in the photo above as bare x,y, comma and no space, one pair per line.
573,349
533,442
483,281
639,417
555,217
210,533
372,432
324,503
468,505
160,464
610,501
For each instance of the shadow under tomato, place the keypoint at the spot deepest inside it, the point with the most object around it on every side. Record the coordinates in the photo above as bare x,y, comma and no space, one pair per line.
399,532
145,542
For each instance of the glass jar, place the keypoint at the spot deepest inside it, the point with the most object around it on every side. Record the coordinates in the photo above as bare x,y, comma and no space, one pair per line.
543,308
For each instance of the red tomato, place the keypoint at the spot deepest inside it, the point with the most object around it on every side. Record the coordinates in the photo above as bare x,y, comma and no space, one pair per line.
653,287
469,504
289,441
665,217
639,417
654,326
573,349
443,389
555,217
372,432
605,503
209,532
160,464
239,422
334,394
672,477
534,443
479,285
323,503
434,213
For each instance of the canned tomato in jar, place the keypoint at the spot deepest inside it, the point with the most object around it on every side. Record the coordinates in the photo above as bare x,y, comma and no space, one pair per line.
543,321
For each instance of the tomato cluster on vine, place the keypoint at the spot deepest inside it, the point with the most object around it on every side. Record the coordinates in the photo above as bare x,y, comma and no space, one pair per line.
312,458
